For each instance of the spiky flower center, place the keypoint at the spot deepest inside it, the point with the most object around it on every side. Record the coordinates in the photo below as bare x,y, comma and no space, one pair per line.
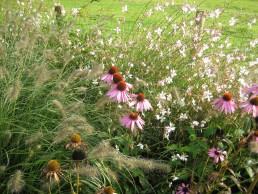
256,120
109,190
121,86
254,101
117,77
256,133
227,96
133,116
140,97
52,165
112,70
76,138
185,189
217,153
78,154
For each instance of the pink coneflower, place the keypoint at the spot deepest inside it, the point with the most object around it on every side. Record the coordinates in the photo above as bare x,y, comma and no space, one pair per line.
251,106
131,119
217,154
253,90
108,77
183,189
141,102
226,103
119,92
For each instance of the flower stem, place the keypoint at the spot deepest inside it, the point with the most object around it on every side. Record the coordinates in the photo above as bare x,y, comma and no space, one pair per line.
49,190
251,187
77,179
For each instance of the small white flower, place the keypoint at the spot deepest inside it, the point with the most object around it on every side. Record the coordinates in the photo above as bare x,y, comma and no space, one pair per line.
140,145
124,9
195,123
158,31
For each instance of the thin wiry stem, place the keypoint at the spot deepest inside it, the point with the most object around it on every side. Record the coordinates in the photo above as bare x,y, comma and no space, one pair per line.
251,187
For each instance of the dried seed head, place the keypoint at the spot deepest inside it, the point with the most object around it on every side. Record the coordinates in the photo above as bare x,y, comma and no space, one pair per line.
78,154
109,190
52,166
76,138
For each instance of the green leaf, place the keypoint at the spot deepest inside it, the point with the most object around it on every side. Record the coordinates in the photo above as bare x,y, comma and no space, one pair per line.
209,131
172,147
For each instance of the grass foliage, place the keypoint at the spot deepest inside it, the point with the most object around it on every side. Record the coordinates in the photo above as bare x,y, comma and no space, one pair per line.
181,61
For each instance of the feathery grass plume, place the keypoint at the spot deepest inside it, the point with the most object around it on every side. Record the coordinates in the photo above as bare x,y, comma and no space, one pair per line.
74,120
140,82
42,76
67,57
34,138
111,174
103,101
144,164
74,75
95,71
76,107
60,106
63,133
14,91
33,69
176,94
1,72
65,39
53,74
50,56
81,90
2,169
103,151
85,128
16,182
89,172
253,146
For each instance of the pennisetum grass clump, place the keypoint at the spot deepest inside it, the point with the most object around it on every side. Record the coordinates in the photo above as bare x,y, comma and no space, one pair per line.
16,182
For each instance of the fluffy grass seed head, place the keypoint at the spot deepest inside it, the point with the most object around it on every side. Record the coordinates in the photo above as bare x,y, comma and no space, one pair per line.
16,182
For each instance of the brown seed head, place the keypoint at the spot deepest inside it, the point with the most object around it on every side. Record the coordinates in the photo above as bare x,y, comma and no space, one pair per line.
52,165
112,70
254,101
121,86
109,190
133,116
76,138
117,77
140,97
227,96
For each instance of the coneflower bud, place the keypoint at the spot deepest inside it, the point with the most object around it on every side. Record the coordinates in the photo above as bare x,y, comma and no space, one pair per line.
78,154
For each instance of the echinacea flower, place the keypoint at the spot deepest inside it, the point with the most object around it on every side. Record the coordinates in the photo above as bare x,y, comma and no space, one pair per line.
226,103
108,77
119,92
131,119
251,106
253,90
117,77
217,154
183,189
140,102
75,141
53,168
